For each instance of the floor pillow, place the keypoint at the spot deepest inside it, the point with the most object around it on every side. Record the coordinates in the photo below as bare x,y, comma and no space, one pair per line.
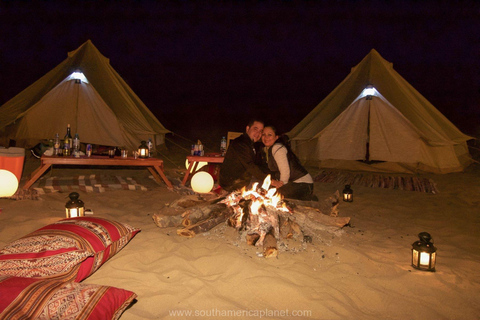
75,248
46,299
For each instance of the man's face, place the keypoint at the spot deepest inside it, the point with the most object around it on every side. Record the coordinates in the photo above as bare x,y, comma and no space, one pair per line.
255,131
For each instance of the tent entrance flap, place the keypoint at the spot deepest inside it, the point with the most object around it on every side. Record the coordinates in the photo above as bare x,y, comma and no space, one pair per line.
370,129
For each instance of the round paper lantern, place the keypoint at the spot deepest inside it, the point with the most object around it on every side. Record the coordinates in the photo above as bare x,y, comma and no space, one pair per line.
8,183
202,182
200,165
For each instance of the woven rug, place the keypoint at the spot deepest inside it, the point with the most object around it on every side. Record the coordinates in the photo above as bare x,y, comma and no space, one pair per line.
87,183
376,180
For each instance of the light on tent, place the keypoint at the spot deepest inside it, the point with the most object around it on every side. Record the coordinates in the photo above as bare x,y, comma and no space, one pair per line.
77,75
369,91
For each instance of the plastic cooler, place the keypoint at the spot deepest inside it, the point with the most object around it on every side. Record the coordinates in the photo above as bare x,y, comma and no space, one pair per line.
12,159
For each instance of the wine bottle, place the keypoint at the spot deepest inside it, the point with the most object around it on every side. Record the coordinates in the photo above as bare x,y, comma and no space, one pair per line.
223,146
67,142
56,144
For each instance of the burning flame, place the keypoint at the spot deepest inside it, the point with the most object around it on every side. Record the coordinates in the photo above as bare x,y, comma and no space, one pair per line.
267,182
261,198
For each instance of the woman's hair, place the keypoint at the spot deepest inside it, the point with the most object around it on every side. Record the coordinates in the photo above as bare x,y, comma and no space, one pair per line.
282,138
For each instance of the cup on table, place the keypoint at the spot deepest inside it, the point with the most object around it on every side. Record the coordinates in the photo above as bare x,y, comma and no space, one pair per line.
111,153
135,154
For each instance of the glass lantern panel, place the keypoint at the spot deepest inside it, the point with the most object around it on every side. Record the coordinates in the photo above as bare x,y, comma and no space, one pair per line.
425,259
415,257
72,213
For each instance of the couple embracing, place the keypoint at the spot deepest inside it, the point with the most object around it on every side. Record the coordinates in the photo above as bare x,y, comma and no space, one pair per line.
246,161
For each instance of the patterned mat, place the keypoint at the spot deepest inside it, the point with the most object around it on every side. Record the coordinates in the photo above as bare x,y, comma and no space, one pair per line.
89,183
372,180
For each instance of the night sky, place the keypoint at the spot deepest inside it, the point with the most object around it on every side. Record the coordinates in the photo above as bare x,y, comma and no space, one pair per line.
211,65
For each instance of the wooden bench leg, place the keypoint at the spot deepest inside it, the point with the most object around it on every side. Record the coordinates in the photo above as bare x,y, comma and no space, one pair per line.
157,173
35,175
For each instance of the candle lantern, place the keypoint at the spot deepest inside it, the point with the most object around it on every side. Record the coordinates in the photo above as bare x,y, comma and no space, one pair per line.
8,183
347,194
424,253
202,182
143,150
74,207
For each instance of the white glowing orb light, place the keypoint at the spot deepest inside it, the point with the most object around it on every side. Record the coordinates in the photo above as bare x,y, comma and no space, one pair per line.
200,165
202,182
8,183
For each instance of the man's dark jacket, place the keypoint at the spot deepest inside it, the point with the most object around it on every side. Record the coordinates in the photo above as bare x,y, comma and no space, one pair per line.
239,165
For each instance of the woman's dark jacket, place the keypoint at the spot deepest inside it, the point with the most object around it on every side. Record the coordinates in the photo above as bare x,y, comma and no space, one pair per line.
296,169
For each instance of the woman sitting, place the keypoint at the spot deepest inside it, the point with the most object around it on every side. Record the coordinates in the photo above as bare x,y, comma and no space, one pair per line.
295,181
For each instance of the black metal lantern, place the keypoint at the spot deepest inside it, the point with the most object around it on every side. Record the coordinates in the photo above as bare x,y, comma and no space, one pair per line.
143,150
74,207
424,253
347,194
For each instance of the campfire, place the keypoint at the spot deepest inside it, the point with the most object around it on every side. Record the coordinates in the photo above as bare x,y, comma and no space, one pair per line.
256,214
260,215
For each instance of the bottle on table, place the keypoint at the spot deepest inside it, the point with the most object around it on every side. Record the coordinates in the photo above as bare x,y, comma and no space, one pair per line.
150,147
88,150
200,151
56,144
67,142
76,145
223,146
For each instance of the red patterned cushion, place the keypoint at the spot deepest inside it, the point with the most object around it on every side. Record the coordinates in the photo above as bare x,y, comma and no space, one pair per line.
98,239
29,298
47,264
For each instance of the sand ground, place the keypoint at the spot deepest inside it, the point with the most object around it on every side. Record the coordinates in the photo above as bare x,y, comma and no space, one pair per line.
362,272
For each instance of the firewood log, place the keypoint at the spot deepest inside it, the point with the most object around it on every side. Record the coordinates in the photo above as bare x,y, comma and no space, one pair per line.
169,217
311,221
167,221
252,238
328,206
270,245
205,225
186,233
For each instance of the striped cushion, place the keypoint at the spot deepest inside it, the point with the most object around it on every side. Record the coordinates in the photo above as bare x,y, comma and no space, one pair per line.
29,298
70,249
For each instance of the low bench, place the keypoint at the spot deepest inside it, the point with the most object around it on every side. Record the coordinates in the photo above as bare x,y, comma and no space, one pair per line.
154,165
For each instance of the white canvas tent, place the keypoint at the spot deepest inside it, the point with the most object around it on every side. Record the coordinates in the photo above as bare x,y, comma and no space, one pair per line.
102,108
390,128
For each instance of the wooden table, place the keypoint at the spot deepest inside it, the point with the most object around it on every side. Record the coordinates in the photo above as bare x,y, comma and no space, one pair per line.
194,160
154,165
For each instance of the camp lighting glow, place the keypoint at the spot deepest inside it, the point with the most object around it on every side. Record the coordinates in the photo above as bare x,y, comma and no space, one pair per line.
369,92
143,150
77,75
8,183
75,207
202,182
347,194
424,253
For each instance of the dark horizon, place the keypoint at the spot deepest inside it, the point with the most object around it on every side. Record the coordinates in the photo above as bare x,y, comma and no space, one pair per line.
210,66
